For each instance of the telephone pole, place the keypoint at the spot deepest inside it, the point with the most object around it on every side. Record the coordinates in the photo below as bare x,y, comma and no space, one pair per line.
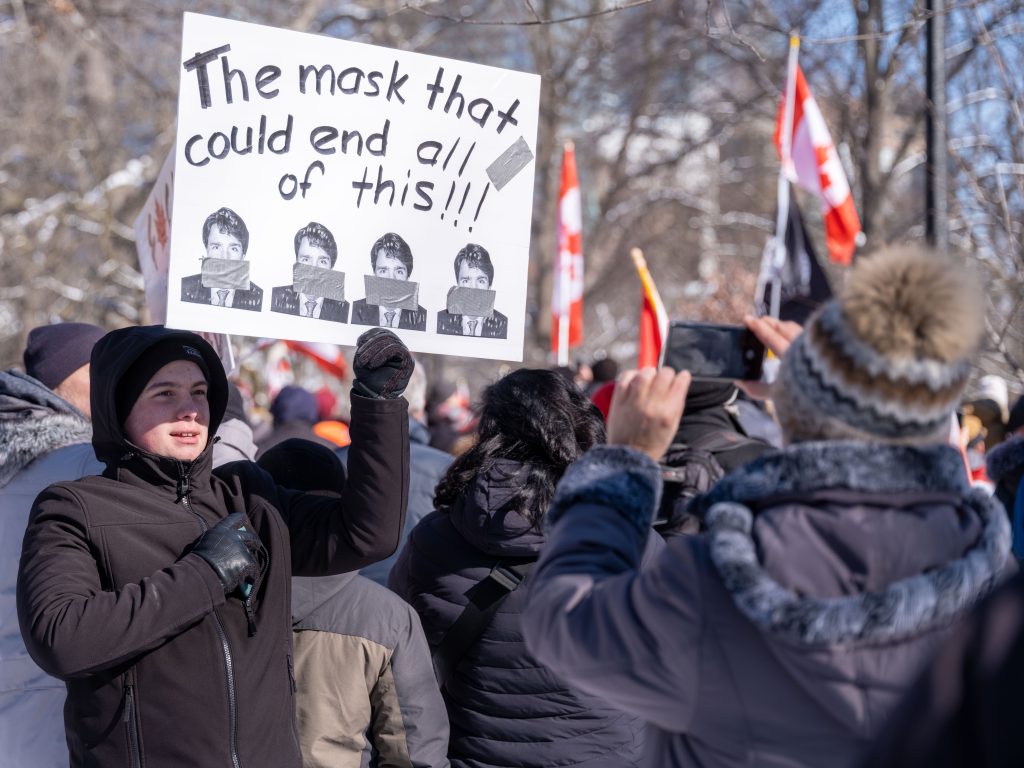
936,163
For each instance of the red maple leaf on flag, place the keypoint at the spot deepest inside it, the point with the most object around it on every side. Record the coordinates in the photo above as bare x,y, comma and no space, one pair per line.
161,225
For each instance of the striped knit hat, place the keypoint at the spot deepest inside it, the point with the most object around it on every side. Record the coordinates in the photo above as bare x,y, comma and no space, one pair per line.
888,360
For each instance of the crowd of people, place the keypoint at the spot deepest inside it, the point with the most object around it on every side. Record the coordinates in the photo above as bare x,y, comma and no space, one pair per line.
588,568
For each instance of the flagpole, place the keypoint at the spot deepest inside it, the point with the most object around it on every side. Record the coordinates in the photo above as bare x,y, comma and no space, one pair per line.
563,291
775,254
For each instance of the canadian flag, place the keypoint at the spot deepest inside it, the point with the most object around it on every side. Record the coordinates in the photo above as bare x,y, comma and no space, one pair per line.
328,356
567,294
809,159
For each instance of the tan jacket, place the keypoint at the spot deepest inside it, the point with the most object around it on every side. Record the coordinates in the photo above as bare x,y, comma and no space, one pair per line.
366,695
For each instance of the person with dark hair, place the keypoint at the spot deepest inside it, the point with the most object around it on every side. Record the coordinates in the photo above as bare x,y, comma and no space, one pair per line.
830,571
225,237
44,438
365,690
505,707
473,269
391,258
603,369
314,247
159,590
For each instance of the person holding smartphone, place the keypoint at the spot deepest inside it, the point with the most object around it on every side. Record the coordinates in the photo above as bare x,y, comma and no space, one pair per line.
830,570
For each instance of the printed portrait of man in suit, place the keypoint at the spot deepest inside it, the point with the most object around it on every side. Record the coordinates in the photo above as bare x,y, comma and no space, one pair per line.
473,269
317,251
221,283
390,258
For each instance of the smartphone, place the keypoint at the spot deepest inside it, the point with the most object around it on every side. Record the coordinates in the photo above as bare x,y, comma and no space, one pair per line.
713,351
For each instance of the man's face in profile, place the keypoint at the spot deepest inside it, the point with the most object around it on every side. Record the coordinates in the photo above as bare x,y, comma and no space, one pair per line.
313,255
472,277
221,245
389,266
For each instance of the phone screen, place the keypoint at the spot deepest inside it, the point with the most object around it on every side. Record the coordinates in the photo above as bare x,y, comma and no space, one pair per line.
710,351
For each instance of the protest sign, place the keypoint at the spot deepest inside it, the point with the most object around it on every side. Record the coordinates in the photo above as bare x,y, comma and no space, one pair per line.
302,156
153,240
153,244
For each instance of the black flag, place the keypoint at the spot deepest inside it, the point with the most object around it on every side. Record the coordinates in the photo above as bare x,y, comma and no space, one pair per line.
804,283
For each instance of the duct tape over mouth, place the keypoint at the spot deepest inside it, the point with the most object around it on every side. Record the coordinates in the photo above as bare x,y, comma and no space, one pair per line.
226,273
475,302
392,293
318,281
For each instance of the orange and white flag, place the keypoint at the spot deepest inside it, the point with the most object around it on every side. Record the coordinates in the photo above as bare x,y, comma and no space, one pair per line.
567,294
809,159
653,316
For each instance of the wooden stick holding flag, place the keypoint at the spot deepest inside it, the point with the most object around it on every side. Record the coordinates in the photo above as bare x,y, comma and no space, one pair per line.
653,316
567,293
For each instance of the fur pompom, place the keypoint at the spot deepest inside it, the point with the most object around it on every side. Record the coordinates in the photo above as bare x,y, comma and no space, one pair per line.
911,303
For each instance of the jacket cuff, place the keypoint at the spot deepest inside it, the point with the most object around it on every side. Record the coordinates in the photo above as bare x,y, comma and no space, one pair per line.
378,404
614,476
214,588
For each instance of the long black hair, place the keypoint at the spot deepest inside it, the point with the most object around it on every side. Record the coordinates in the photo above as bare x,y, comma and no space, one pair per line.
530,416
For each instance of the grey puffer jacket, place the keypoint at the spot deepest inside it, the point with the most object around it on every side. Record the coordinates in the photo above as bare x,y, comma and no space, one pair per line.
43,440
784,636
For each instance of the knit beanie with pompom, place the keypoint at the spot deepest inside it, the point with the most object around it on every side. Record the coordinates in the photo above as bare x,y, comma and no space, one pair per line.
886,361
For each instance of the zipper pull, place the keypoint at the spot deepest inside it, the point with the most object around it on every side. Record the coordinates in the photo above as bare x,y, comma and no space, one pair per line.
183,486
129,704
250,616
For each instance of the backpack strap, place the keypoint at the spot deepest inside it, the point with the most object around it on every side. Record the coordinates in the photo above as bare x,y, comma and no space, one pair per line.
722,440
485,597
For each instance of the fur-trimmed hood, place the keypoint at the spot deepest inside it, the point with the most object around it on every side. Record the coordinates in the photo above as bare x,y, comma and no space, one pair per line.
1006,459
812,467
33,422
924,481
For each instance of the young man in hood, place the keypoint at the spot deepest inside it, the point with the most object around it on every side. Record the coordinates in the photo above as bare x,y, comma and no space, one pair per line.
160,590
830,571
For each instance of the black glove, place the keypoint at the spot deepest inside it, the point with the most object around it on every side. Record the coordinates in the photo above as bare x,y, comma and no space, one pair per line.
382,365
229,549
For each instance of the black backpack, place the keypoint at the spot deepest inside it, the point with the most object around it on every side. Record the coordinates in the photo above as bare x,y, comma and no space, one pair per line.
688,470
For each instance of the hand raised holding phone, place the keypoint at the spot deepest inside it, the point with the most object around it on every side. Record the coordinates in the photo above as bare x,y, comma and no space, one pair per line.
776,335
713,351
646,409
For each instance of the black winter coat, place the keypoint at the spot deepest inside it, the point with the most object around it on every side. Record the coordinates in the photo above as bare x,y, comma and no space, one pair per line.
504,707
162,669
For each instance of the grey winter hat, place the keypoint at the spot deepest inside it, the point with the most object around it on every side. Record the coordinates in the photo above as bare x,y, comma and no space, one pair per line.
887,360
54,352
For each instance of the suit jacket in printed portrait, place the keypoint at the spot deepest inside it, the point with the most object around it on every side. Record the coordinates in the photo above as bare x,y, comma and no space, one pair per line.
316,254
193,291
225,239
284,298
473,272
494,327
369,314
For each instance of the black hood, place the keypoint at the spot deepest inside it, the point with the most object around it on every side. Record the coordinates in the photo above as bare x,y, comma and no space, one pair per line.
113,355
486,519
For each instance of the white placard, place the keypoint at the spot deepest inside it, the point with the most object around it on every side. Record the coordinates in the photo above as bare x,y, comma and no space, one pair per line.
153,245
388,163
